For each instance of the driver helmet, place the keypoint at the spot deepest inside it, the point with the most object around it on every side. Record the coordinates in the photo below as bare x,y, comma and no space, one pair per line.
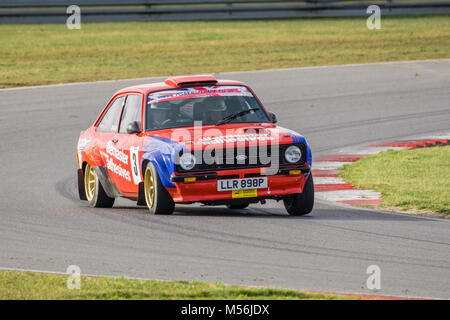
217,105
216,109
160,112
164,105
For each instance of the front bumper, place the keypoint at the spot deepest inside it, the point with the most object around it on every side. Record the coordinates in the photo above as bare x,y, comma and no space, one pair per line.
204,189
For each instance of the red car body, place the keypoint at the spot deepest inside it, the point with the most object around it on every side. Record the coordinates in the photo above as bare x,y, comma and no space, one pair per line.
119,158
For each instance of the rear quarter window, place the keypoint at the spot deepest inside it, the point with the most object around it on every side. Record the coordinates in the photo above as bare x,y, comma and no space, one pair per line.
110,119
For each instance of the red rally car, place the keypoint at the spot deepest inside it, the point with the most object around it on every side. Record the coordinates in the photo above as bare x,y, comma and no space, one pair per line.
192,139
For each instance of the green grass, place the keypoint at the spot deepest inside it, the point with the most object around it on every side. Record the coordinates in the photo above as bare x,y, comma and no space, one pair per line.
31,285
50,53
416,180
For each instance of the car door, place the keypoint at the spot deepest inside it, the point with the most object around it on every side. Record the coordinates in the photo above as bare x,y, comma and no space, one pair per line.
130,143
107,133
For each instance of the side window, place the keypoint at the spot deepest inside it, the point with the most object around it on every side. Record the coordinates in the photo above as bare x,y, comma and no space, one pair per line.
110,119
131,111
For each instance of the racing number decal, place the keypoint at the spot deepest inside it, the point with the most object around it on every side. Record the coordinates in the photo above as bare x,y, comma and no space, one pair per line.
134,154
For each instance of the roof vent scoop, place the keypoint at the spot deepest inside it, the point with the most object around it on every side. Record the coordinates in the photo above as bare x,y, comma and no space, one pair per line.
189,81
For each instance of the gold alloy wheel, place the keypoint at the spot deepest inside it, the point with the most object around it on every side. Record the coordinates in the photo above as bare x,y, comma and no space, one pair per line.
149,187
89,182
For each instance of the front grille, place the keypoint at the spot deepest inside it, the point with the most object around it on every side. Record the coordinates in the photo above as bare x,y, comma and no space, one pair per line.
239,158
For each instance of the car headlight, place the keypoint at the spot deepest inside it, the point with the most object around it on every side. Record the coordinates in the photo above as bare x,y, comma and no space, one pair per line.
293,154
187,161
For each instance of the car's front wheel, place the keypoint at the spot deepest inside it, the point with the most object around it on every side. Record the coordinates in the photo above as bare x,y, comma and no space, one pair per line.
95,194
157,197
300,204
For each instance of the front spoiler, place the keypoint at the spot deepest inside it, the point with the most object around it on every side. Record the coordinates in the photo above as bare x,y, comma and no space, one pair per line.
215,175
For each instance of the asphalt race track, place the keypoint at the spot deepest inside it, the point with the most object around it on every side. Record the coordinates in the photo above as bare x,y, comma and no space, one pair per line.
45,227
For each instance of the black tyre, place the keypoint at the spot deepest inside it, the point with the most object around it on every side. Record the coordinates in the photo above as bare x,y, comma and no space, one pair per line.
95,194
157,197
237,206
300,204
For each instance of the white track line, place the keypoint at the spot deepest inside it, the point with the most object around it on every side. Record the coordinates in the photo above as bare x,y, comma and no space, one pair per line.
343,195
328,180
447,137
367,150
327,165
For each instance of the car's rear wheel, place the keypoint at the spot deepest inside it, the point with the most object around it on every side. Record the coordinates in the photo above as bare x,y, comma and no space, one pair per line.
157,197
237,206
300,204
95,194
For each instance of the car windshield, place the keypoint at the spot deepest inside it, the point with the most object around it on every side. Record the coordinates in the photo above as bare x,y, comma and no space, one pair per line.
187,107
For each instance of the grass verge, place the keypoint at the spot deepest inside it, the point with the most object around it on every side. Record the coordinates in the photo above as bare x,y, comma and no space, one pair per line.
50,53
416,180
31,285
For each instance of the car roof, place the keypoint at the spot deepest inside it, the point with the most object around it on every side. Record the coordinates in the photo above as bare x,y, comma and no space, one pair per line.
179,82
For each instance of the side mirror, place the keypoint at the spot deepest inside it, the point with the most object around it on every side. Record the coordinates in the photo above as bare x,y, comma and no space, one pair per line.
134,127
274,117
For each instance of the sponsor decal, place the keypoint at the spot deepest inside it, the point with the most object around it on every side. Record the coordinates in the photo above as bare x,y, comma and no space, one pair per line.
235,138
185,93
82,143
113,153
116,153
117,169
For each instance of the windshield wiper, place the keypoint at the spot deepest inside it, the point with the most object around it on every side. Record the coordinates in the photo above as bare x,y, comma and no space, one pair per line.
233,116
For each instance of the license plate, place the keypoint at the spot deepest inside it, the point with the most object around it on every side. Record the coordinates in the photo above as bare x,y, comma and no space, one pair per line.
242,184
